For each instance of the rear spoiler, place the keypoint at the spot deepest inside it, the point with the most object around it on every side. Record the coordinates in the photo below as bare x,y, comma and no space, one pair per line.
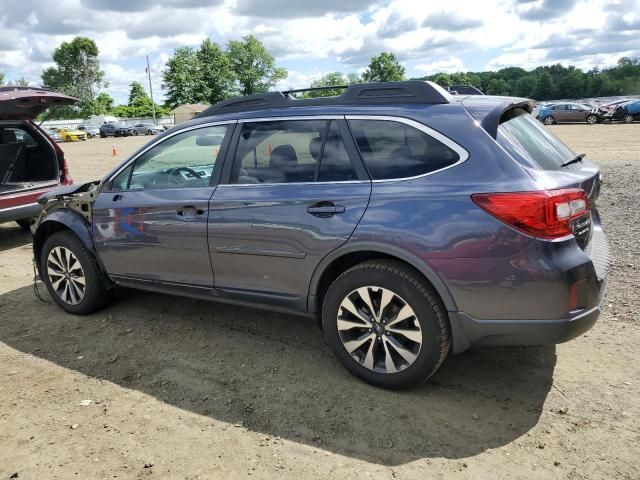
489,114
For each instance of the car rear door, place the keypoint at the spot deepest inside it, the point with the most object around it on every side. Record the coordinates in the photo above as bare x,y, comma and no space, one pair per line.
150,218
293,191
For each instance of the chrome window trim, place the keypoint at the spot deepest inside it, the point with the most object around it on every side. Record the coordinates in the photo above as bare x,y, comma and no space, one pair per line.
126,164
462,152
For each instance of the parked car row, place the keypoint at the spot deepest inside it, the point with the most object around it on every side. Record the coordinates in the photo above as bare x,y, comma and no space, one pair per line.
626,111
110,129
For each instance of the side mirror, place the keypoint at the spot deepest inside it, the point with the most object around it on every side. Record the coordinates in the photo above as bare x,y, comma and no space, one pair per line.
208,140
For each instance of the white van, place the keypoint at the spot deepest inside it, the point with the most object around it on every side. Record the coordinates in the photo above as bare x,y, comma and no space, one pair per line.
98,120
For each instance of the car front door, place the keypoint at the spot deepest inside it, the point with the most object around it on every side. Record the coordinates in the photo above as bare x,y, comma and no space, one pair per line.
561,113
150,219
295,190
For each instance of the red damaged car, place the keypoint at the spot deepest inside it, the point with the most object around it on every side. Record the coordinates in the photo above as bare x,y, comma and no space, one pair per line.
31,163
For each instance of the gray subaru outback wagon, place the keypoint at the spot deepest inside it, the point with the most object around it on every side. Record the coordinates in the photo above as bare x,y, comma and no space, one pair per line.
410,221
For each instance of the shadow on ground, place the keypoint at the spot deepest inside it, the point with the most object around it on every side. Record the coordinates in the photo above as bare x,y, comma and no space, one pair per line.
274,374
12,236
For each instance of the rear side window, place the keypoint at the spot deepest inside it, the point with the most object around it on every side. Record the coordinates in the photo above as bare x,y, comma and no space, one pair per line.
531,144
395,150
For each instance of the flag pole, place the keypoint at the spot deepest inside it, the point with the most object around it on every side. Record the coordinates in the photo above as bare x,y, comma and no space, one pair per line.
153,105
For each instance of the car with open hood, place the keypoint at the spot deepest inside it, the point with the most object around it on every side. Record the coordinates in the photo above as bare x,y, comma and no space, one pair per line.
31,163
627,112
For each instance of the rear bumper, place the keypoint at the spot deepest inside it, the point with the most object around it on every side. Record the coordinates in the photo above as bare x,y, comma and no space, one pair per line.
468,331
19,212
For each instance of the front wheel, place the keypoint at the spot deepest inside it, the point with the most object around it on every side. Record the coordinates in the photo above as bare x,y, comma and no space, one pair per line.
135,133
385,324
103,135
592,119
72,275
549,120
628,118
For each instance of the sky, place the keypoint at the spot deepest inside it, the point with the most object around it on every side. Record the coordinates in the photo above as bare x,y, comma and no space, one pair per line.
312,38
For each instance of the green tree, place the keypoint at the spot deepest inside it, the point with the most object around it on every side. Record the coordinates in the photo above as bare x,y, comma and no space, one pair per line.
1,78
443,79
384,68
215,77
328,80
180,78
18,82
77,72
103,104
544,87
254,67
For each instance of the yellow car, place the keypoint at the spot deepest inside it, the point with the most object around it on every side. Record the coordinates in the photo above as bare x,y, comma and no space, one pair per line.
71,134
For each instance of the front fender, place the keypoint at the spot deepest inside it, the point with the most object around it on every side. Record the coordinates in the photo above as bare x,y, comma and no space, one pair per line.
62,219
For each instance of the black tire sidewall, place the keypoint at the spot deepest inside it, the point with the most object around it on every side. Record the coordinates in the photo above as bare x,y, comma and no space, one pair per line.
429,315
94,297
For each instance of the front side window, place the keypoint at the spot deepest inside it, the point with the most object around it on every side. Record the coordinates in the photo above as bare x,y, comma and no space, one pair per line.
185,160
392,150
292,151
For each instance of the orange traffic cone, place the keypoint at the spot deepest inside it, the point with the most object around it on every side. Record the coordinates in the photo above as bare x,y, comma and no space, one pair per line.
114,152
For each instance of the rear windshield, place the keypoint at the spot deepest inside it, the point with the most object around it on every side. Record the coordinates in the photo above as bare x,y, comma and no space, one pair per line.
530,143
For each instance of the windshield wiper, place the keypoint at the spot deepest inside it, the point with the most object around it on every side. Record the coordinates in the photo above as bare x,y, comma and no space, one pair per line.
576,159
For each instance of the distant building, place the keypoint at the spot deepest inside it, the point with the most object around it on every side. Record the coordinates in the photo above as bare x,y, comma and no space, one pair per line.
187,111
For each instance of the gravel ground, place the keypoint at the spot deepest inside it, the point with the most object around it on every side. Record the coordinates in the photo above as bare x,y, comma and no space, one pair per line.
162,387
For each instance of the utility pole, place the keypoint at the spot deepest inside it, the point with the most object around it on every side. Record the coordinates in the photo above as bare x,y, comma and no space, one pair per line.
153,105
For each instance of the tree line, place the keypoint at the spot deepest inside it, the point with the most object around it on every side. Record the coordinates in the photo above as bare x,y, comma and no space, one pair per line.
211,73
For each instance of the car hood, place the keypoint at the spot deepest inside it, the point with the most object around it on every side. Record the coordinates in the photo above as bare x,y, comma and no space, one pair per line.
74,132
26,103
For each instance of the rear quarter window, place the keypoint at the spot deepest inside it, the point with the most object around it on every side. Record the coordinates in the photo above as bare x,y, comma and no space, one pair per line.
530,143
393,150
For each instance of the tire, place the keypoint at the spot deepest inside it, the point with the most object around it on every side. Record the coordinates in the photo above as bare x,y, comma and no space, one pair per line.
25,224
135,133
103,135
426,324
95,295
149,132
592,119
549,120
67,138
628,118
117,134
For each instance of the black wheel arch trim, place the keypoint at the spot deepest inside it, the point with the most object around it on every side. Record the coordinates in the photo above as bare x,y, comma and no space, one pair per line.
391,250
71,220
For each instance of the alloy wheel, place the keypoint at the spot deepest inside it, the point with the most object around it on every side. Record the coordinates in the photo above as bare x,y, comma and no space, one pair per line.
66,275
379,329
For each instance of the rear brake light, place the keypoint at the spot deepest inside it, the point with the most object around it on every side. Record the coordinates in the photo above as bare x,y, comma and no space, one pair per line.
544,214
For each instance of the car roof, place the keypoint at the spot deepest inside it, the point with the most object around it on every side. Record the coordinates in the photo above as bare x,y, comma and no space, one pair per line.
409,98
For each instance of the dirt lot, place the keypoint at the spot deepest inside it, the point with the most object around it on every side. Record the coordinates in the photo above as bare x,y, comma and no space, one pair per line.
160,387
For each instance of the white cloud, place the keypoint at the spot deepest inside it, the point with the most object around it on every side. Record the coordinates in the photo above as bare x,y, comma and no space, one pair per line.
450,65
340,35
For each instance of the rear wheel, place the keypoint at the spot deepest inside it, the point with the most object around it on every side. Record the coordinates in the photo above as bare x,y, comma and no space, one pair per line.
628,118
135,133
72,275
386,324
592,119
549,120
103,135
67,138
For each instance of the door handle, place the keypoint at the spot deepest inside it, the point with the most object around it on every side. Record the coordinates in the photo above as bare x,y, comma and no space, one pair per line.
117,197
325,209
189,213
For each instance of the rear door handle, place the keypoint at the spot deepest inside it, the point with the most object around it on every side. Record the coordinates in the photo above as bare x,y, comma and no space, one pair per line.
325,209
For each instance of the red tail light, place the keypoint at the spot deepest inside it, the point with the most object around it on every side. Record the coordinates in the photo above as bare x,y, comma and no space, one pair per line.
66,180
543,214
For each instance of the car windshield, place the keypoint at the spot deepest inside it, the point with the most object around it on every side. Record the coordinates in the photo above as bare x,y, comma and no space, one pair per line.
531,144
